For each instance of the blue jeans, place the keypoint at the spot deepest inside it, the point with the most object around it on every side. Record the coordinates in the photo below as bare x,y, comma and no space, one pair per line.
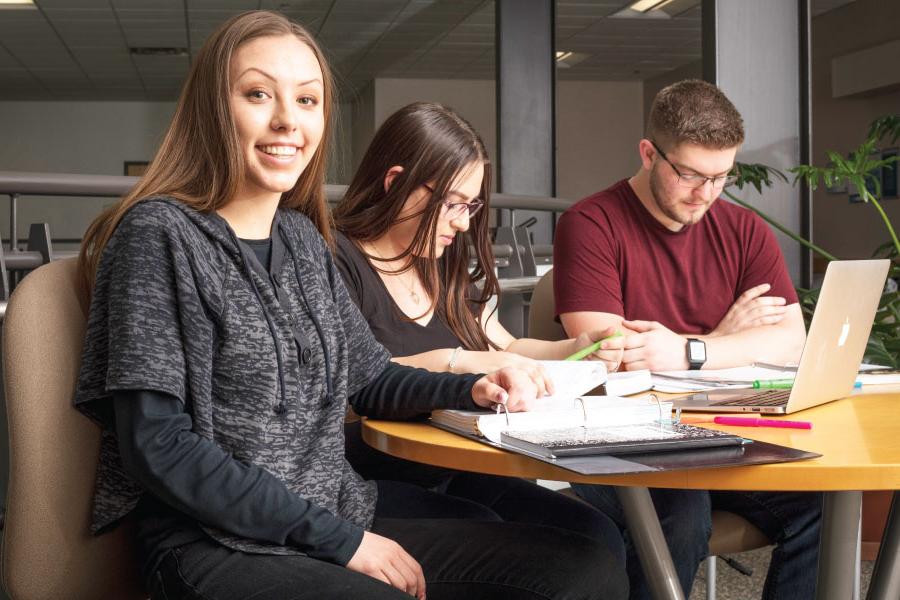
790,519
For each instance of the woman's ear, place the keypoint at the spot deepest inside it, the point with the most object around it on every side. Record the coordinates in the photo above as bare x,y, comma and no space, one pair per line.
391,175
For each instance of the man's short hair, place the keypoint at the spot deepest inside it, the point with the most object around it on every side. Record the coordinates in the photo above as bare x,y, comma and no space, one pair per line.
694,112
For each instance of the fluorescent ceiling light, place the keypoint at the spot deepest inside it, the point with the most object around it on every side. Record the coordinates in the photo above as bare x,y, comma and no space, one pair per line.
566,59
18,3
643,6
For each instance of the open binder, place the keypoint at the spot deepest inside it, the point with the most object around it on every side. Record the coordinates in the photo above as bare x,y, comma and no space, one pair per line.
605,435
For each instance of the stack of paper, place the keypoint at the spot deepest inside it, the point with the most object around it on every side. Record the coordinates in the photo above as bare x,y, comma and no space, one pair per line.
718,379
625,383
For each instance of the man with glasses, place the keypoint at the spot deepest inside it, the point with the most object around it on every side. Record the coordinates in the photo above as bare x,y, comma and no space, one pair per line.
694,282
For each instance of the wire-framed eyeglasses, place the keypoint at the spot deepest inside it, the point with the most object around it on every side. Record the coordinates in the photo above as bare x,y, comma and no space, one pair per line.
695,180
454,210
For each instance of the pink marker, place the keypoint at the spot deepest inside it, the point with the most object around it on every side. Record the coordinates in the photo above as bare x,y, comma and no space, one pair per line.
757,422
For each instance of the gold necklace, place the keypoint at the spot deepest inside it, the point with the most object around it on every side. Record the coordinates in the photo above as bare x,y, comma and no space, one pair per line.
413,294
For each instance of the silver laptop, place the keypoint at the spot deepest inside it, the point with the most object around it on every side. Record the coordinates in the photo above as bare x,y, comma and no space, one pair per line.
833,351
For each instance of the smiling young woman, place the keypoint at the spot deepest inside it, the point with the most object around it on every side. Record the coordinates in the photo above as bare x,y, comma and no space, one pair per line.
222,351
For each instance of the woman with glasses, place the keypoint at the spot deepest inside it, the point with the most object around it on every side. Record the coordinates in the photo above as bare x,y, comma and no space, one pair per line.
413,217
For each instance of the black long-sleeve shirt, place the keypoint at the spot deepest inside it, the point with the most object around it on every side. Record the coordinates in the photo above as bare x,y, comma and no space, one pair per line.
204,482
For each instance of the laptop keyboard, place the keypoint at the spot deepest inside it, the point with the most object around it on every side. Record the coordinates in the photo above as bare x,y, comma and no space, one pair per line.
767,398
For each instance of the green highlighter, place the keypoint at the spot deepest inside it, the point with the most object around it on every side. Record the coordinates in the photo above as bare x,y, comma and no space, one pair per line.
593,347
773,384
783,384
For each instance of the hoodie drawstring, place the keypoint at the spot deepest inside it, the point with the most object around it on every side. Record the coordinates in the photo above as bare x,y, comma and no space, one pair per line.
281,407
329,395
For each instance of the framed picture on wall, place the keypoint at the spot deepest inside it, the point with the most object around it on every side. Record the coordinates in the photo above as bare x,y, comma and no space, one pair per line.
135,168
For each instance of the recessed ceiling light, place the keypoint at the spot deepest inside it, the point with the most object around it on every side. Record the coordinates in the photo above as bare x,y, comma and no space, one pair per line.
17,4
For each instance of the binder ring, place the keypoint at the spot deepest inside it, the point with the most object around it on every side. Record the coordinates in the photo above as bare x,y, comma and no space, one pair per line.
580,400
505,412
659,408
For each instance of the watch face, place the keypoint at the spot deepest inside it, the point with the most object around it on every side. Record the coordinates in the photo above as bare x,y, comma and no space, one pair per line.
696,351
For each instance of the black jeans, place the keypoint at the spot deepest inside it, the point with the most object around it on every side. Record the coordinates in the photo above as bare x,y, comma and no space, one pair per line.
477,557
473,495
790,519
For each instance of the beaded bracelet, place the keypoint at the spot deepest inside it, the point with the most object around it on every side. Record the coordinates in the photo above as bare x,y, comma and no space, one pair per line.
453,358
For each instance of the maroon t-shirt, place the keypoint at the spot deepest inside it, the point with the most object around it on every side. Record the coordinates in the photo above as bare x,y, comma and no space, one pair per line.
611,255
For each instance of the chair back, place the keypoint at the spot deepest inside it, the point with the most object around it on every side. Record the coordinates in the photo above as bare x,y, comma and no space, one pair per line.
48,551
541,324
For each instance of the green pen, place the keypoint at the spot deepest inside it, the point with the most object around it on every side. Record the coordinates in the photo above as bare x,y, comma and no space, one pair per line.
773,384
592,348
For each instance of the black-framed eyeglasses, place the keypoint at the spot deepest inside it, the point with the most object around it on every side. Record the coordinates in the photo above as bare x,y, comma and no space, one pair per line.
454,210
694,180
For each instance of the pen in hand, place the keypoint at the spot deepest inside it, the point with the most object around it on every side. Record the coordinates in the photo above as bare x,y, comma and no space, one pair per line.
592,348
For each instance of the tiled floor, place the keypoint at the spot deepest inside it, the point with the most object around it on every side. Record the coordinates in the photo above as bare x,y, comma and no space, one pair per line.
732,585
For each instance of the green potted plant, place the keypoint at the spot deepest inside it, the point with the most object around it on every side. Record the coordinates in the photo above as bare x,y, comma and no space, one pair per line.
857,170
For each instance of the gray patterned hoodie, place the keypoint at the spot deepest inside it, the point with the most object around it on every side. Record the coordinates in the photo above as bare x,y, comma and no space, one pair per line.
178,309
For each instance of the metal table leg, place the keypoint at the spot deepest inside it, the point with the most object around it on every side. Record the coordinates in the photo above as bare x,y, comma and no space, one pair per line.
837,548
643,524
886,576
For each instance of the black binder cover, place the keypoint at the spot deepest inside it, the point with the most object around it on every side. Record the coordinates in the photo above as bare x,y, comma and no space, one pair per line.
753,453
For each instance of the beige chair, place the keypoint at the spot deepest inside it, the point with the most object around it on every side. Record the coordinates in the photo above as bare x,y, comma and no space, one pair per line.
731,534
48,552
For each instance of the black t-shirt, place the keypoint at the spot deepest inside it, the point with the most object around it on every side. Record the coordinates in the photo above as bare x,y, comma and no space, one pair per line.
401,336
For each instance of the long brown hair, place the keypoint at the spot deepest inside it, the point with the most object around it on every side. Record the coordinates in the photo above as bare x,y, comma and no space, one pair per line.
199,161
434,145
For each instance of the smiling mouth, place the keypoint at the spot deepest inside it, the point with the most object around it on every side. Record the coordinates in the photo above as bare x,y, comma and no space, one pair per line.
278,151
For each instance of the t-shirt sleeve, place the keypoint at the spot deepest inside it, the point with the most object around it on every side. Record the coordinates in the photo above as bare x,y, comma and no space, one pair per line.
366,357
764,262
585,272
349,270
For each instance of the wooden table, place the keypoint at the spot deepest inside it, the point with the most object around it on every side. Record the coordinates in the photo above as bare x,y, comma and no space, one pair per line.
858,437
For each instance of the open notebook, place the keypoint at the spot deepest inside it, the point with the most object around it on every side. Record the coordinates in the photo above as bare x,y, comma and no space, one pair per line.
586,425
606,435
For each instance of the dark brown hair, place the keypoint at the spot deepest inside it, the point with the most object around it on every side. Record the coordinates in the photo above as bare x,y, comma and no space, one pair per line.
199,161
434,145
695,112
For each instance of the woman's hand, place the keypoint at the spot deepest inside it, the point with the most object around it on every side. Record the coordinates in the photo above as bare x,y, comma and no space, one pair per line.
510,386
487,362
385,560
610,351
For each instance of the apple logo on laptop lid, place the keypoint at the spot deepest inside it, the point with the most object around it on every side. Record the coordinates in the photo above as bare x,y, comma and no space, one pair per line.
845,331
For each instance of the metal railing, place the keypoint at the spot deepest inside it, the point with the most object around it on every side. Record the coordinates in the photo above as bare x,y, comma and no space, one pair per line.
516,257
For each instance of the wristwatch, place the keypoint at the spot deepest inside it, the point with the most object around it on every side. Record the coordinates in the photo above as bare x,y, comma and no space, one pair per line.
696,353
